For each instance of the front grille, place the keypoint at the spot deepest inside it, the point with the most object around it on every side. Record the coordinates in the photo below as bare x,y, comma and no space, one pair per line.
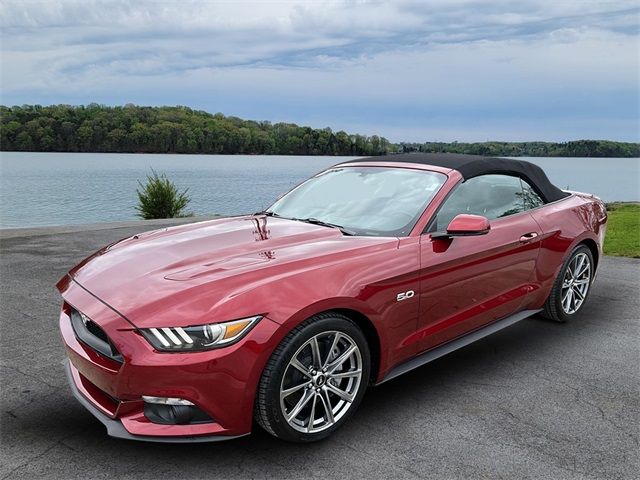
89,333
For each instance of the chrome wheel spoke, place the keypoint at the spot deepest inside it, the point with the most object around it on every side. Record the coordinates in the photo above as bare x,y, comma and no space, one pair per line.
333,366
341,393
312,416
327,407
334,343
308,395
295,363
584,270
579,265
354,373
292,390
569,273
566,301
578,293
315,352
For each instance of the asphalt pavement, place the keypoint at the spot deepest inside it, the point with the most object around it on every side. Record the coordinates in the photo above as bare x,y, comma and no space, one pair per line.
536,400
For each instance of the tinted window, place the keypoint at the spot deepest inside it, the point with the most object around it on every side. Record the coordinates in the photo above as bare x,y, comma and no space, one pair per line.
492,196
367,200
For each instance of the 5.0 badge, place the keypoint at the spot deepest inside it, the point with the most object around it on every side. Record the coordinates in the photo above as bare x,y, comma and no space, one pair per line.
405,295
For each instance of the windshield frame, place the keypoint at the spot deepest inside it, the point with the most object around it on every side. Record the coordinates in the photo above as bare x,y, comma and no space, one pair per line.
359,232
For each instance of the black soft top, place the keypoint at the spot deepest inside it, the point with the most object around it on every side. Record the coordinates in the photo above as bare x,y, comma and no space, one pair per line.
474,165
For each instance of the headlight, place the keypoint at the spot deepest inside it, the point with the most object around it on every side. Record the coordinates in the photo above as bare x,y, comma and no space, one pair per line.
201,337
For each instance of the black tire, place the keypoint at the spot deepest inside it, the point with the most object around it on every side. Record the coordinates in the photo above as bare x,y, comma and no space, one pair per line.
268,411
553,308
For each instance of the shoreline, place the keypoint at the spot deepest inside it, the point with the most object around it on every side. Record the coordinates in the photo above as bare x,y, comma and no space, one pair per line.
20,232
388,154
620,240
32,231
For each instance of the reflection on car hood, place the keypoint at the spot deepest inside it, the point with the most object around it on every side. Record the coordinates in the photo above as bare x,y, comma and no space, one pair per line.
163,266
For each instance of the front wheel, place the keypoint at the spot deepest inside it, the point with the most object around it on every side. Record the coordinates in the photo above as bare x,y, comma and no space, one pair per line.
572,286
314,380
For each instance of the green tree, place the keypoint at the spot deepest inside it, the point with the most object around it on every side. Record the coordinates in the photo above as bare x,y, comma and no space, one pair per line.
24,142
131,128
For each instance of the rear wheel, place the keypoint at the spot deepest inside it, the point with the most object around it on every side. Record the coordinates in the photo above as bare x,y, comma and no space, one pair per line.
314,380
572,286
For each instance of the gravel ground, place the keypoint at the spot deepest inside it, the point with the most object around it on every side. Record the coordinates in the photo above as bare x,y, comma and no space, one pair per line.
537,400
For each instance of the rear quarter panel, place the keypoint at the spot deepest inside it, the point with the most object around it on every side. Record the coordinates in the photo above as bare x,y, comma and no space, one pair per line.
565,224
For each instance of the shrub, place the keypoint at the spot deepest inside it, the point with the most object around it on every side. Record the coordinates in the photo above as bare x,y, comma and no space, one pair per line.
160,198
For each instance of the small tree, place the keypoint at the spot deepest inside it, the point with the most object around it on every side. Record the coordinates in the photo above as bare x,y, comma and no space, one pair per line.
160,198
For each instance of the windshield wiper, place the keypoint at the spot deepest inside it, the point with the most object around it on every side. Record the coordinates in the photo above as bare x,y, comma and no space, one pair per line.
315,221
267,213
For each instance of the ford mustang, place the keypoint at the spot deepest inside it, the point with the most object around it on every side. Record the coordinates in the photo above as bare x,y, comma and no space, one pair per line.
365,271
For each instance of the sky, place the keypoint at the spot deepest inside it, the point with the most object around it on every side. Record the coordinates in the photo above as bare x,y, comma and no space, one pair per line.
440,70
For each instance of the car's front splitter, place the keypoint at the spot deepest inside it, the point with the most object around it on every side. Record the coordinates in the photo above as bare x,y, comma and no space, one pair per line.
116,429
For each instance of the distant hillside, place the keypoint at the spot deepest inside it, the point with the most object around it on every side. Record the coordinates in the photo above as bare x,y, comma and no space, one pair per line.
134,129
577,148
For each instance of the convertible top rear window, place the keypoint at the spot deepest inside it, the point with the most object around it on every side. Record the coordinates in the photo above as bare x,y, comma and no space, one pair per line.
376,201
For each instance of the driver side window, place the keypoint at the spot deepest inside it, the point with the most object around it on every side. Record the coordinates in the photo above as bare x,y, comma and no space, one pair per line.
492,196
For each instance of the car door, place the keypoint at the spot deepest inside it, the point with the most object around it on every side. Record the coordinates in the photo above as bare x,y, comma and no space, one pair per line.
468,282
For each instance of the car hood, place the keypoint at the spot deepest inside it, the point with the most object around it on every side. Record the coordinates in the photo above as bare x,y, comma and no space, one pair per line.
198,267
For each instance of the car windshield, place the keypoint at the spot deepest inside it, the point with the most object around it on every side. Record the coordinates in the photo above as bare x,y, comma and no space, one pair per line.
375,201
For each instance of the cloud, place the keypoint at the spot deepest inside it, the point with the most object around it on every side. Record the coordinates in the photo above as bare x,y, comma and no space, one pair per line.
385,66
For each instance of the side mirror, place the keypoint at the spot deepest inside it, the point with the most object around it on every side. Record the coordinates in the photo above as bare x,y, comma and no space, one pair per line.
465,225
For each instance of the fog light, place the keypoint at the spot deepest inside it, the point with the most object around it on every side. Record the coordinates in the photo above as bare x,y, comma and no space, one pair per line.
166,400
173,411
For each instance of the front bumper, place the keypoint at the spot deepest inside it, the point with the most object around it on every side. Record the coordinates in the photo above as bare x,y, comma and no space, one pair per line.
115,427
221,383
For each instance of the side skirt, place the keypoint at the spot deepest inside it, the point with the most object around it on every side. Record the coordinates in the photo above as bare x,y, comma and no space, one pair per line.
453,345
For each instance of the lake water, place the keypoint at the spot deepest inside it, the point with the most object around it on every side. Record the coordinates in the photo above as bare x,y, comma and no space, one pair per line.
41,189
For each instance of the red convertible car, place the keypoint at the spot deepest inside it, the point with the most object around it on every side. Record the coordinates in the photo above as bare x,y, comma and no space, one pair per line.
369,269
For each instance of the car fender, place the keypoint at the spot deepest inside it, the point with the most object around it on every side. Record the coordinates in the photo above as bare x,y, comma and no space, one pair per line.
577,241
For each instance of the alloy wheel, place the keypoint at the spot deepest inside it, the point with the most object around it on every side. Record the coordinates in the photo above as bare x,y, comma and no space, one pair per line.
321,382
575,284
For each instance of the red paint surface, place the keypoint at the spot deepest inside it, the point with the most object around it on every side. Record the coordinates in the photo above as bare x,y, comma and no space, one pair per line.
465,223
288,271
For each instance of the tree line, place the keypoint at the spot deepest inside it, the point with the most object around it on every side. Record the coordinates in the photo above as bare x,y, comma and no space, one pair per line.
136,129
577,148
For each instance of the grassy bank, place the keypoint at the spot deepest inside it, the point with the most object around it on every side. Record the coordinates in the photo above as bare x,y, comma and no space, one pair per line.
623,230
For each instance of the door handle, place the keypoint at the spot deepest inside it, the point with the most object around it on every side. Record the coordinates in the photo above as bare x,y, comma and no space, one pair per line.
527,237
